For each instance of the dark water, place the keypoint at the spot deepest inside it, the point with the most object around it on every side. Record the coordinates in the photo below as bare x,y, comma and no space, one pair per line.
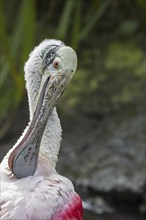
114,216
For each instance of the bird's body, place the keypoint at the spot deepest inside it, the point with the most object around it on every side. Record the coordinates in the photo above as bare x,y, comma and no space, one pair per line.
44,195
40,197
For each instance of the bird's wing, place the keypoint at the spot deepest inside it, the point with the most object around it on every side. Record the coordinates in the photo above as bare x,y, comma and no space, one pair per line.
73,210
36,197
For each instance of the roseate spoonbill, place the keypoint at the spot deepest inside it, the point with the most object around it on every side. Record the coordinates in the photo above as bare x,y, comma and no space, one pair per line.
31,188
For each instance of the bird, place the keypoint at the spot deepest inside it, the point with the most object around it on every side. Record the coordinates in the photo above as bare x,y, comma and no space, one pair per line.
31,188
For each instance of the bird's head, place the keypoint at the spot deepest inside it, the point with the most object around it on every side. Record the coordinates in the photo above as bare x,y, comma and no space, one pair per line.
52,65
50,60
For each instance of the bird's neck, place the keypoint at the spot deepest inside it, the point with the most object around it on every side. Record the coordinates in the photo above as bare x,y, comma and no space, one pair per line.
51,139
50,144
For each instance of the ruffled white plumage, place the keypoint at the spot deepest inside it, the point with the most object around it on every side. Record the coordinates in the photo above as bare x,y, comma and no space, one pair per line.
34,197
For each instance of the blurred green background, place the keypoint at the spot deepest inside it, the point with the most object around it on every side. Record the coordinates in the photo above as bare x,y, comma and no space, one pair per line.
108,36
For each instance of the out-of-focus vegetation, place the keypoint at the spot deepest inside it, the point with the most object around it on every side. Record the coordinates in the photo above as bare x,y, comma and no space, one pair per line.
108,36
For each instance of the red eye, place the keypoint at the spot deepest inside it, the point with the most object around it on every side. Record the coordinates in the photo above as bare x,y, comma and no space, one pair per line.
56,64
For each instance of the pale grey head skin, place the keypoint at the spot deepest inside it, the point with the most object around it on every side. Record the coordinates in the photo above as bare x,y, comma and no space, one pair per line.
48,71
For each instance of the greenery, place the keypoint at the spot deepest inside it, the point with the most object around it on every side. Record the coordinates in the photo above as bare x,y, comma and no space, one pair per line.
107,35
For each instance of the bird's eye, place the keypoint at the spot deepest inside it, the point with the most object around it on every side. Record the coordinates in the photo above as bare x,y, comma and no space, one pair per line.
56,64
